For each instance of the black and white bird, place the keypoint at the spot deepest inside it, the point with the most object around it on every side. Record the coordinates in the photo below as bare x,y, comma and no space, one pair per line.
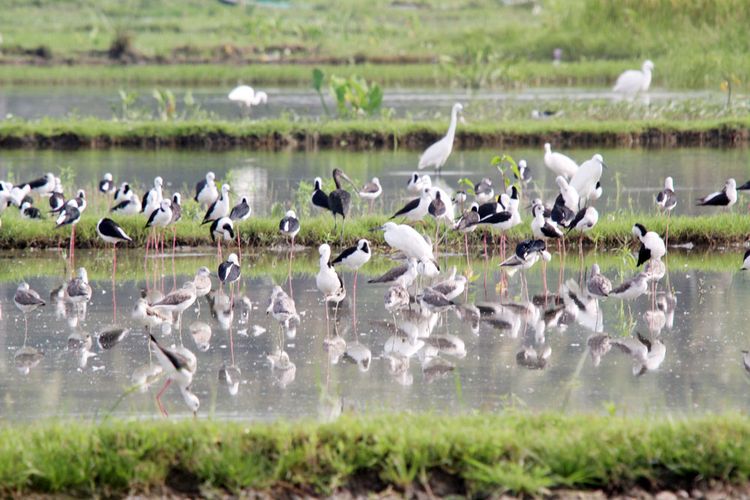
229,270
128,206
80,200
543,228
327,280
583,222
524,172
28,211
319,197
289,226
598,285
371,191
161,217
417,183
240,211
106,185
178,370
355,257
469,220
221,229
746,261
205,190
527,254
19,194
631,288
153,197
70,215
666,199
652,246
111,232
560,213
220,207
43,185
403,274
724,198
483,191
416,209
56,200
124,192
569,194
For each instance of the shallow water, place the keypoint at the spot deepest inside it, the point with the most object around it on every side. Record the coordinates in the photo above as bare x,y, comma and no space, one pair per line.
32,102
270,179
698,318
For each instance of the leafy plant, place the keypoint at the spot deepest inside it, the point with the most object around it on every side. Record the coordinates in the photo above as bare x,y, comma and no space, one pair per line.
127,100
355,96
506,161
478,67
317,82
166,104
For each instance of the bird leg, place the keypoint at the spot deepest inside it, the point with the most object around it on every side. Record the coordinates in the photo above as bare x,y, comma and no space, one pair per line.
239,248
158,397
466,246
666,235
354,301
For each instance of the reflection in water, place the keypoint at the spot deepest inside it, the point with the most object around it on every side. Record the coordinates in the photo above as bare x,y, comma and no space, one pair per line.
575,348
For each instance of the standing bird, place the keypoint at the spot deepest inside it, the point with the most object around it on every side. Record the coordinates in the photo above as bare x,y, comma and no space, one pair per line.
371,191
483,191
111,232
417,182
319,197
355,257
746,261
289,226
240,212
407,240
246,96
327,280
416,209
282,308
437,154
220,207
43,185
221,229
724,198
56,199
339,200
205,190
569,194
559,163
583,222
403,275
598,285
153,197
159,218
468,224
27,300
177,368
106,185
632,81
176,206
70,215
524,172
438,210
666,200
78,290
652,246
229,270
631,288
587,177
28,211
178,301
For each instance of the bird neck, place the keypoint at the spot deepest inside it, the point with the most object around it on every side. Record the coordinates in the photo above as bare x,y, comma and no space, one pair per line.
452,127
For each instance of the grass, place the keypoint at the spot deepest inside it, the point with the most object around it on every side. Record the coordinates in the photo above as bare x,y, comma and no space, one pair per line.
694,43
475,455
368,134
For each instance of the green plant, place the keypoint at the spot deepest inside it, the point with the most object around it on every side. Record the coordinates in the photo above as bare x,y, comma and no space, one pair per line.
317,82
166,104
355,96
127,100
477,68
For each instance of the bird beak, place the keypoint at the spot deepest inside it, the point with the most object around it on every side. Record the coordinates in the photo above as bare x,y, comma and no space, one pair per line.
347,179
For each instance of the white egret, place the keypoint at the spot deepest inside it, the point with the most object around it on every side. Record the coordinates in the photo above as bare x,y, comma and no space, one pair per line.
407,240
632,81
247,96
437,154
559,163
587,177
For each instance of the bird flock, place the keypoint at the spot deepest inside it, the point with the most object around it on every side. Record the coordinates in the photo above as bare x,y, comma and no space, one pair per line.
415,285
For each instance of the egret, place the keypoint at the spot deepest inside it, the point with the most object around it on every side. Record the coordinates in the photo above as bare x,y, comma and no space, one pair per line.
559,163
585,180
371,191
437,154
247,96
111,232
205,190
724,198
407,240
632,81
178,370
652,246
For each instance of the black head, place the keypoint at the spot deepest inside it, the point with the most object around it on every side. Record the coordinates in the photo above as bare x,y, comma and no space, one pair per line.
514,192
639,230
365,246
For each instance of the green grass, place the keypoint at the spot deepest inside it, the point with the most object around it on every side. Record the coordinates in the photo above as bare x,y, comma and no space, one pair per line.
694,43
474,455
367,134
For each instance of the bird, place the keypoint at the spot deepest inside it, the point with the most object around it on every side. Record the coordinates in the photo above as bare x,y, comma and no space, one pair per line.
153,197
598,285
433,301
560,164
587,177
178,300
746,261
129,206
543,228
452,286
247,96
569,194
417,182
27,300
240,212
56,200
124,192
319,197
355,257
43,185
106,185
111,232
149,317
177,369
282,308
159,218
524,172
220,207
396,298
746,360
78,290
503,219
652,246
221,229
631,288
70,215
19,194
403,274
583,222
28,211
724,198
527,254
371,191
483,191
467,224
289,226
647,355
327,280
666,200
229,270
339,200
632,81
437,154
202,282
205,190
416,209
407,240
176,206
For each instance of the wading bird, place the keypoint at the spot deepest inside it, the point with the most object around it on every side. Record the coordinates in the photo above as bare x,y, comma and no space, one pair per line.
437,154
289,226
247,97
724,198
27,300
111,232
205,190
652,246
371,191
178,370
220,207
559,163
632,81
339,200
666,200
221,229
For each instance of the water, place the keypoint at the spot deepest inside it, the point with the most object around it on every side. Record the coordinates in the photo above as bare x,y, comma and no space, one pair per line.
33,102
700,323
270,179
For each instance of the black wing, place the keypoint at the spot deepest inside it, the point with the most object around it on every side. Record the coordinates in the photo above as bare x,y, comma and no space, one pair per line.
152,217
578,218
120,206
239,211
487,209
176,361
56,202
436,208
199,187
343,255
407,208
207,218
36,183
320,199
643,255
496,218
744,187
720,199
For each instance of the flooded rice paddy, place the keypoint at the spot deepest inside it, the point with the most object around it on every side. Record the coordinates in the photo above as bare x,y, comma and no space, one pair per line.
271,179
501,346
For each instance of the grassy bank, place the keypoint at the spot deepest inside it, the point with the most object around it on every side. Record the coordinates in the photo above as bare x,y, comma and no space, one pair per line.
481,454
368,134
612,231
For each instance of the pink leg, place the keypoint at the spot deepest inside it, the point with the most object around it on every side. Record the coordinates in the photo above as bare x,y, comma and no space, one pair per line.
158,397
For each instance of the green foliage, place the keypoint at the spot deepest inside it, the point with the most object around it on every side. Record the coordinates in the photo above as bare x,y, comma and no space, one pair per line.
355,96
317,82
476,68
166,107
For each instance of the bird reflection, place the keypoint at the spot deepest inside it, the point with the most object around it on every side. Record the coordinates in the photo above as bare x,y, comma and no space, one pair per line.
534,352
80,345
435,368
201,333
145,376
230,377
282,368
398,367
582,306
468,313
359,354
111,336
448,344
646,354
27,358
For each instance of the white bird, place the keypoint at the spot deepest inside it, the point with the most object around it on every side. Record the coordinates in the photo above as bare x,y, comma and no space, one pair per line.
246,95
724,198
327,280
229,270
18,194
559,163
652,246
219,208
402,275
632,81
282,308
543,228
43,185
585,180
483,191
437,154
371,191
205,190
416,209
407,240
153,198
666,199
415,184
161,217
570,195
631,288
178,301
356,256
130,204
177,367
106,185
452,286
148,316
